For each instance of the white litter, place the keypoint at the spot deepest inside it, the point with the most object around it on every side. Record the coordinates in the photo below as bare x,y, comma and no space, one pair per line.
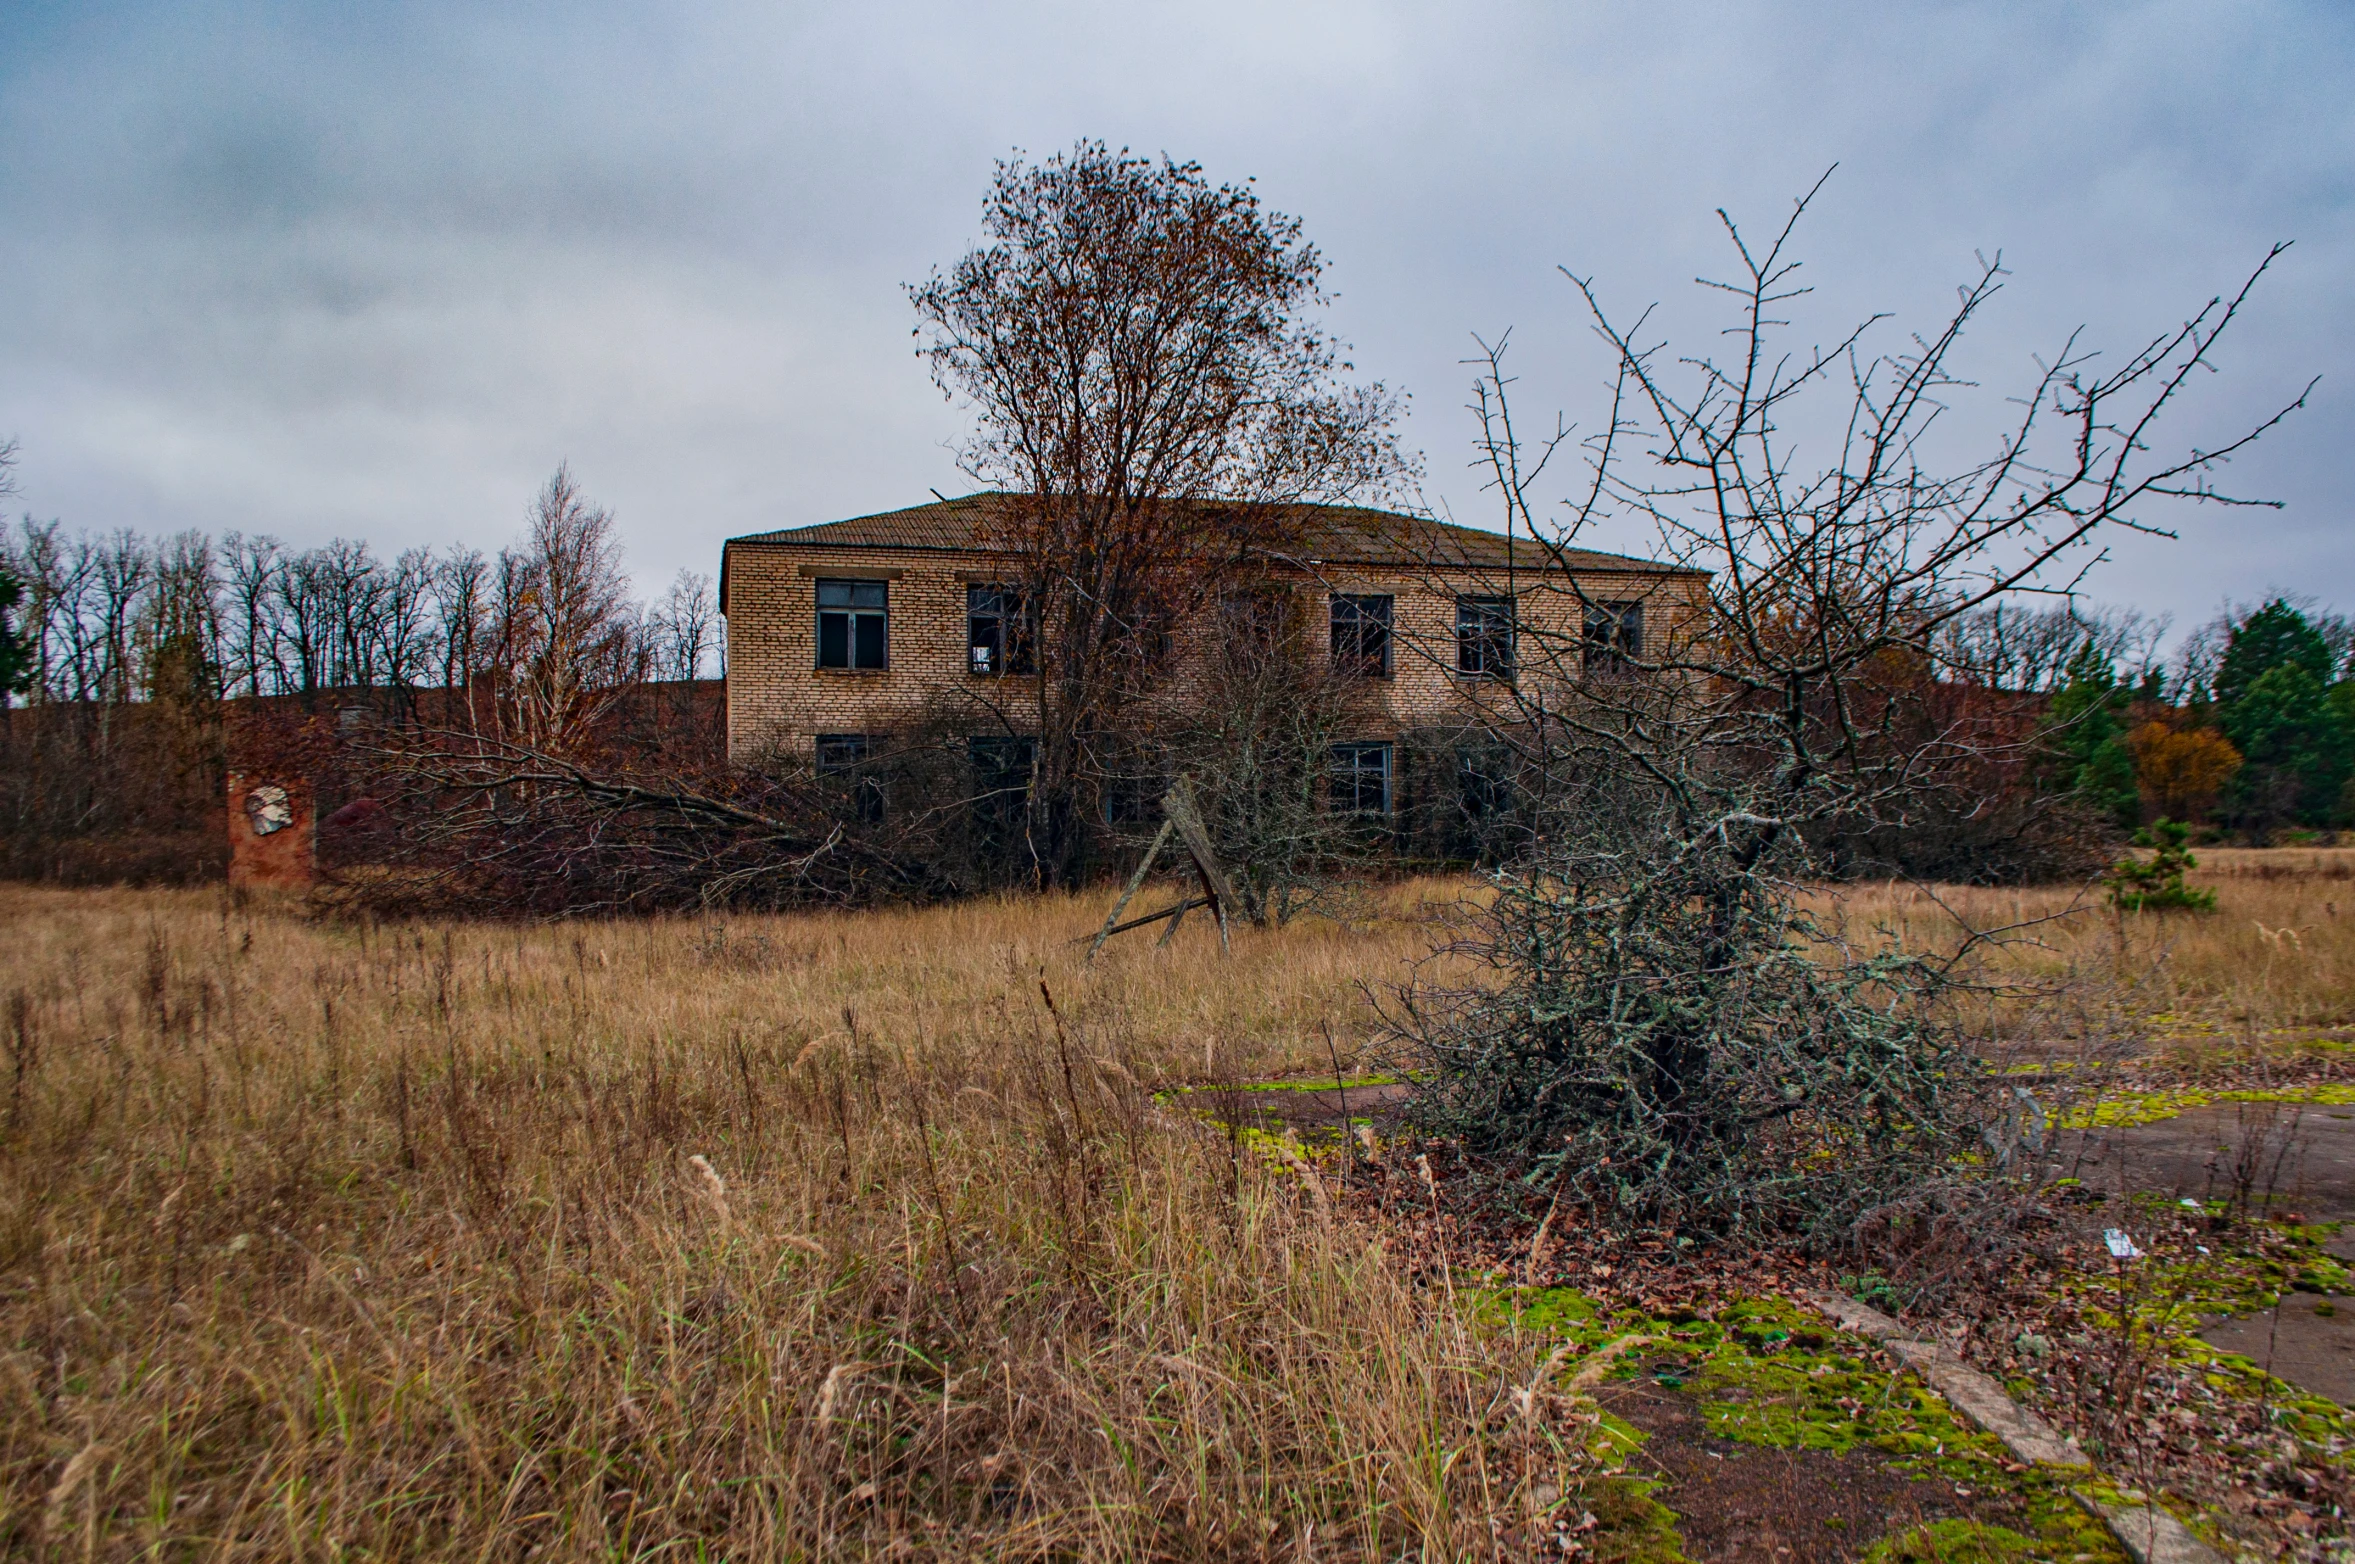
2121,1245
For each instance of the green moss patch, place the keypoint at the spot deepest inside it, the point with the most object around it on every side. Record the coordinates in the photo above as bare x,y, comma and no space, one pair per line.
1956,1542
1771,1373
2129,1109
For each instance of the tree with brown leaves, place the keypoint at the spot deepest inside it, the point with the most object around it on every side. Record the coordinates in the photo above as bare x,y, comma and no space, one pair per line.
1138,351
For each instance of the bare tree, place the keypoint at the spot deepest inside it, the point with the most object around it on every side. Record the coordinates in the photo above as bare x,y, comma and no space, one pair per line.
1254,729
1669,1032
2024,647
1136,347
16,642
686,626
570,644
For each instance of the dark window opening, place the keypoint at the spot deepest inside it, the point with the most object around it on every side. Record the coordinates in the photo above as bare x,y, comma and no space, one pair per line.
1484,782
1001,631
1002,765
1131,801
854,624
1258,618
1359,779
1614,637
1361,636
847,763
1484,637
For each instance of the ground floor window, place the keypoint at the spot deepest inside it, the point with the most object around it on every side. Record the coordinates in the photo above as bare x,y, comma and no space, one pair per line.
848,763
1360,779
1002,765
1484,781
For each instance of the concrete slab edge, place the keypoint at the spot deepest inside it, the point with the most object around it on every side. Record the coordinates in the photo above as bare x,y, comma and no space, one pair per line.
2146,1531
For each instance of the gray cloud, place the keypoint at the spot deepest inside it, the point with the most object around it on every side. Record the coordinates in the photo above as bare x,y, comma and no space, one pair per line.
322,270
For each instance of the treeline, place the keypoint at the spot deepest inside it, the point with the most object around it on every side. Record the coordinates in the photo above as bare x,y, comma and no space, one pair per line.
2247,727
141,666
118,617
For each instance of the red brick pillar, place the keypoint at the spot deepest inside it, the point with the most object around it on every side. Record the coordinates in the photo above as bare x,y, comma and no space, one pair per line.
273,834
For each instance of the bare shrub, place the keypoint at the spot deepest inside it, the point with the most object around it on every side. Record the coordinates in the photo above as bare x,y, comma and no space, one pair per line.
1667,1029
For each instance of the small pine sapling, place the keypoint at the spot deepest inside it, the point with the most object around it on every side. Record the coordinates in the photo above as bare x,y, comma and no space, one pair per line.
2157,886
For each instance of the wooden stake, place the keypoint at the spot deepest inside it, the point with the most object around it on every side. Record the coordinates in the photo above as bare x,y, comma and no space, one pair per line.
1179,807
1134,881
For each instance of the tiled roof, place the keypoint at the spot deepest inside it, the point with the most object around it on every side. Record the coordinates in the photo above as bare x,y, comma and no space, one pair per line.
1336,535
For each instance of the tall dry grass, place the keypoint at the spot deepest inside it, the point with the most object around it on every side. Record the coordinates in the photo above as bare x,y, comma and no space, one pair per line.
805,1237
2272,969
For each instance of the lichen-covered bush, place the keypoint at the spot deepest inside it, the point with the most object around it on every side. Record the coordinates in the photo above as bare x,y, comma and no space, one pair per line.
1666,1037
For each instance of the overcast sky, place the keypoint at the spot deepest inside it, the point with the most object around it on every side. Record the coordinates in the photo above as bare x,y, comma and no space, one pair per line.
372,271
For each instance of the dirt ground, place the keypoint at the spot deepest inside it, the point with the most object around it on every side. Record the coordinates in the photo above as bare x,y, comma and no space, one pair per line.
1740,1503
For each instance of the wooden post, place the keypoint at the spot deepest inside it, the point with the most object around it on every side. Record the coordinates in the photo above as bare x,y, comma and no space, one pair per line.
1134,881
1179,807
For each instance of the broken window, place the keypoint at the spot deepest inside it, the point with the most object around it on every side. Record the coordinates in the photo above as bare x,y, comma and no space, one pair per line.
1360,779
1361,636
1614,637
847,763
854,624
1001,631
1484,637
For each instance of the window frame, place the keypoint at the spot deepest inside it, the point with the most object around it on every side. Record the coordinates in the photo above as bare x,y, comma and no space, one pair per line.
1003,605
852,765
1345,765
1351,615
854,615
1611,637
993,783
1486,648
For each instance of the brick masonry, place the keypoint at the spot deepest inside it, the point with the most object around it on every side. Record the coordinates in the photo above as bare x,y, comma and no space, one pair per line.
779,700
285,859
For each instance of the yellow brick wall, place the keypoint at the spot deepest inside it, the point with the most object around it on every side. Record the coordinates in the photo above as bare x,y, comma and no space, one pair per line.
778,700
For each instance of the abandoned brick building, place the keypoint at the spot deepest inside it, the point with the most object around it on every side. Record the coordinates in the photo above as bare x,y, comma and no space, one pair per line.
843,634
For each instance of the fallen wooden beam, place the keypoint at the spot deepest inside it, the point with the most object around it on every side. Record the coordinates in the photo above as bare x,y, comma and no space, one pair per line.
1177,911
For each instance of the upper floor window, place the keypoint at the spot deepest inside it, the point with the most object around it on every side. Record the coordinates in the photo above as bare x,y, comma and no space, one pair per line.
1001,631
1614,637
854,624
1361,636
1484,637
1255,617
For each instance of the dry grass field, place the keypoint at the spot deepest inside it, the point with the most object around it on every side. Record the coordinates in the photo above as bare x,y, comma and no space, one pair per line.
783,1237
2270,973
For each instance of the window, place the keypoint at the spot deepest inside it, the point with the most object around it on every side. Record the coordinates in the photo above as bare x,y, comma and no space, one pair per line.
1255,618
1484,781
1136,777
853,624
1614,637
1000,631
846,763
1361,636
1001,777
1484,637
1360,778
